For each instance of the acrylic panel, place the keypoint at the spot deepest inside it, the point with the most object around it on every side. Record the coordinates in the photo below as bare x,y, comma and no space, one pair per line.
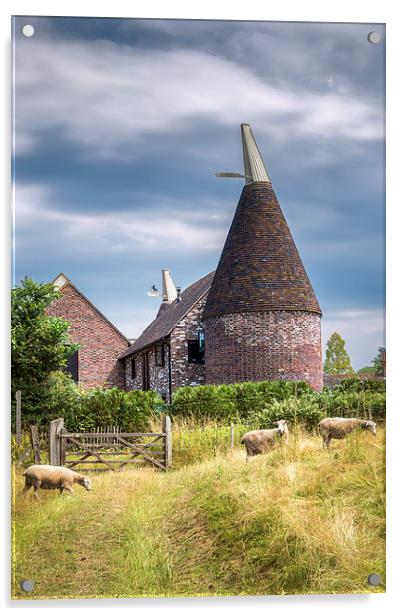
198,350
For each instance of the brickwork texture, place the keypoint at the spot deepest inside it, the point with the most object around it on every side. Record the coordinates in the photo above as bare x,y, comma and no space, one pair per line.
100,343
263,346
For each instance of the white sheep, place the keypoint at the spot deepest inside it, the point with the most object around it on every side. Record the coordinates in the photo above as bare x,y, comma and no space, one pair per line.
50,477
261,441
339,427
284,434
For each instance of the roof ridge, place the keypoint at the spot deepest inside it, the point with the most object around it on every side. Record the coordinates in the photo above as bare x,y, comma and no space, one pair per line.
68,281
162,325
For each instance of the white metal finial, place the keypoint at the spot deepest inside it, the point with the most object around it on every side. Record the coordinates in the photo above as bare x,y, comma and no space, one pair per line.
169,291
254,168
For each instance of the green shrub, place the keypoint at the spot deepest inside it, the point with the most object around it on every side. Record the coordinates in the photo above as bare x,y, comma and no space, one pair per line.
355,384
205,402
341,403
84,410
265,402
304,410
235,402
99,407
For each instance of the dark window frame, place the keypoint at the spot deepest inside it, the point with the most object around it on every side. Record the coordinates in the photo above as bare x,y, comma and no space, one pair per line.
133,368
72,366
146,377
194,354
160,355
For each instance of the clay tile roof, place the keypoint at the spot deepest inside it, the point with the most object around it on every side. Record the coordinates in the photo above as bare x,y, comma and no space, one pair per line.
175,312
260,268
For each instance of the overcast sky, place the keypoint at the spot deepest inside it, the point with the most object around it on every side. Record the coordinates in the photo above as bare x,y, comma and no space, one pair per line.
120,125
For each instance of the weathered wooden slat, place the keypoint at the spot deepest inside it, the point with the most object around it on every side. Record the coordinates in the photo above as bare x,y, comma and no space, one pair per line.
71,463
119,445
56,426
124,434
167,428
114,453
138,451
35,443
63,445
133,460
91,451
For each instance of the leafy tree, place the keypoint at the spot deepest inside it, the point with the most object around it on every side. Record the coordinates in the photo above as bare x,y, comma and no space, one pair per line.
376,368
377,363
40,344
337,360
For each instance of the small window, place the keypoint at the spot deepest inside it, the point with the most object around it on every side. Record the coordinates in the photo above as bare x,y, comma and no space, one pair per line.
201,340
159,355
133,372
195,354
72,366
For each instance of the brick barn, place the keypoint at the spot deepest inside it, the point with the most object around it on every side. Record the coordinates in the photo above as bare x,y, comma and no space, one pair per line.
170,351
255,318
96,361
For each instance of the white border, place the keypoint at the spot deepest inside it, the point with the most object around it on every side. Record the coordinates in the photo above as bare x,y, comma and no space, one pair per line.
288,10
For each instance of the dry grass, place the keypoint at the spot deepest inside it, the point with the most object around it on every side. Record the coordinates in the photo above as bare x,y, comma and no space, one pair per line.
297,520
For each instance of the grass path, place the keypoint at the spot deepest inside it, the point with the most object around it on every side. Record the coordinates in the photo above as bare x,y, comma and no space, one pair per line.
293,521
73,541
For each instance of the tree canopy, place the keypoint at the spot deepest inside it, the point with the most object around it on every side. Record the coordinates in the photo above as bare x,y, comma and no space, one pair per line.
337,360
377,366
40,343
378,359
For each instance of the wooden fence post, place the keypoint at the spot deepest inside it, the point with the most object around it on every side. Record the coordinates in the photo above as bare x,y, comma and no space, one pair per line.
231,436
62,442
55,429
167,429
35,443
18,416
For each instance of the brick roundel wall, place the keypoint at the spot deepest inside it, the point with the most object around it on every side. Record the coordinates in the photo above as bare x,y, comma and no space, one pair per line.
259,346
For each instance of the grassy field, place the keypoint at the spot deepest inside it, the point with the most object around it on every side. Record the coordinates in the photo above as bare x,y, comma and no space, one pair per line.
296,520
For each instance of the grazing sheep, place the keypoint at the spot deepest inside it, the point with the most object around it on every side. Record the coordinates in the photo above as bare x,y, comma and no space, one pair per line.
283,424
261,441
339,427
52,478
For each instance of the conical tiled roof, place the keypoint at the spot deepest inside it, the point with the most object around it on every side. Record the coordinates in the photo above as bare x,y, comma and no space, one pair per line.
260,268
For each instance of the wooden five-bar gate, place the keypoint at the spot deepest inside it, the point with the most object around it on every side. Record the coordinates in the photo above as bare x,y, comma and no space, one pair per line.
110,448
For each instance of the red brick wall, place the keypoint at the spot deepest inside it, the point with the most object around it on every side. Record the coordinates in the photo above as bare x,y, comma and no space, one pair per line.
257,346
100,344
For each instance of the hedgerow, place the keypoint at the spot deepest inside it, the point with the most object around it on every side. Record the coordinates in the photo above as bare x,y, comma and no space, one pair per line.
267,401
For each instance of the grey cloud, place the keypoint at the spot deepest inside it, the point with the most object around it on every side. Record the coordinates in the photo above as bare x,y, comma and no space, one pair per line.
167,227
104,96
